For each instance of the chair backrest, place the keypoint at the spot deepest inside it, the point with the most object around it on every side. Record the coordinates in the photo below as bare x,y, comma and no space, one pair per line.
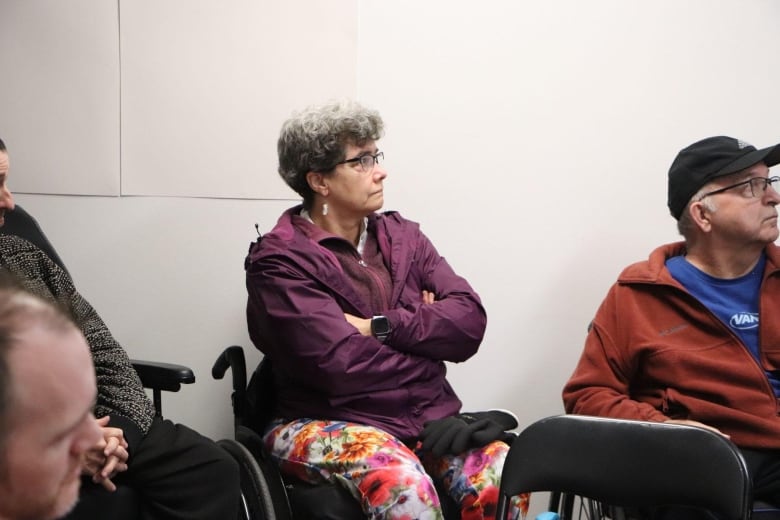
630,464
20,223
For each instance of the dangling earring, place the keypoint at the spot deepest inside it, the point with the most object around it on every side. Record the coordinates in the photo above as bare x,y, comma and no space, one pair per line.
324,209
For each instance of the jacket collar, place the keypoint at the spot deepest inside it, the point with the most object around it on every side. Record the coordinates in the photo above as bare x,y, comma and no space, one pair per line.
653,270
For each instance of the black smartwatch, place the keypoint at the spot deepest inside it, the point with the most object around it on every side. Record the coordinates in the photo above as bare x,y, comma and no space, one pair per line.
380,328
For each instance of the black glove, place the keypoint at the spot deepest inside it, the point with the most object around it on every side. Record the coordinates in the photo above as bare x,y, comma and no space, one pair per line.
468,430
440,436
490,426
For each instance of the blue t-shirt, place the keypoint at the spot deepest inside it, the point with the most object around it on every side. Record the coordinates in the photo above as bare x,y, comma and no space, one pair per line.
734,301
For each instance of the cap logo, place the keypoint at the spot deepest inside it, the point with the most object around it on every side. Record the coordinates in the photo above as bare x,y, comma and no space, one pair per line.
742,144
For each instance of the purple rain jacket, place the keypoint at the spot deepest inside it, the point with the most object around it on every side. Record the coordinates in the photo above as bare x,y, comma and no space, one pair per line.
323,367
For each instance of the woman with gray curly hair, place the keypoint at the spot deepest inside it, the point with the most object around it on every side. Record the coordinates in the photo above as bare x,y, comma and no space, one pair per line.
356,314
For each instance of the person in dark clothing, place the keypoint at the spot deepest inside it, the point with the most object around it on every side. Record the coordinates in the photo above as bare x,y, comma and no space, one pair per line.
175,472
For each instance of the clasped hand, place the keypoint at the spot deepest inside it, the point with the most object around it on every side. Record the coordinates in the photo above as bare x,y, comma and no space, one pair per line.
108,457
461,432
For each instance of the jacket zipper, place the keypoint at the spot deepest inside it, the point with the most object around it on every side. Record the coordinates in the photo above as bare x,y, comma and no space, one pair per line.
744,349
377,279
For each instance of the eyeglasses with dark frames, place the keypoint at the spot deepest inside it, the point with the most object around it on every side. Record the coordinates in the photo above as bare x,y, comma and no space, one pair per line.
367,161
758,186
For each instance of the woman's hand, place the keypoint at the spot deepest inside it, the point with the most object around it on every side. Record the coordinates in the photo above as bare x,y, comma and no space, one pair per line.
363,325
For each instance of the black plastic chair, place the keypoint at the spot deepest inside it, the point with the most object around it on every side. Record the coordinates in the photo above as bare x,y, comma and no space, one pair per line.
633,465
156,376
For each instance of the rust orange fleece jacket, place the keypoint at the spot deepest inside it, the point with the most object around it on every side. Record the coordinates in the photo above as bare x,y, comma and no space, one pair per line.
654,352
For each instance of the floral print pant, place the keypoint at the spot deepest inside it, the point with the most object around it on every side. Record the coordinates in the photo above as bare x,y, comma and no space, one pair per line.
390,480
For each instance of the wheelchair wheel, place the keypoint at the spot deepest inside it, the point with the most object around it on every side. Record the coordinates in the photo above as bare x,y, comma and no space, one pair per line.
262,492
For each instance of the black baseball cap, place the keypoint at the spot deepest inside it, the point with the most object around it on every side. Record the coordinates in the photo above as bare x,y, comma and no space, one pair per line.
705,160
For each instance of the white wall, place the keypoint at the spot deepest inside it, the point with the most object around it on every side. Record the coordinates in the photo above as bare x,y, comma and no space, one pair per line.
530,139
167,276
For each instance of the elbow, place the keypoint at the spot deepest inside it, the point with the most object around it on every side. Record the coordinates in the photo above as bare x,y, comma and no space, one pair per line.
573,398
472,326
465,350
471,338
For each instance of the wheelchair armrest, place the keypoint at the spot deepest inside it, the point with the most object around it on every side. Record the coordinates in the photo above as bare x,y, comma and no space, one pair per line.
163,376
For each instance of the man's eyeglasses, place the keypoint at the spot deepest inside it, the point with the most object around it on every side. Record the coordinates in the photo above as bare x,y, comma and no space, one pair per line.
758,186
367,161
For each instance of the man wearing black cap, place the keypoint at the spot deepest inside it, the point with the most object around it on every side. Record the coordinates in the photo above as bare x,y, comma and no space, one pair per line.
692,334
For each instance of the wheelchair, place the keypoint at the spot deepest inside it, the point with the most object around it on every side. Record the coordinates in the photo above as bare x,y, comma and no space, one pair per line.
267,494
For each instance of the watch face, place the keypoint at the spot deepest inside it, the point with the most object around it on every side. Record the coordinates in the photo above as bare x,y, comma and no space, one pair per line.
380,325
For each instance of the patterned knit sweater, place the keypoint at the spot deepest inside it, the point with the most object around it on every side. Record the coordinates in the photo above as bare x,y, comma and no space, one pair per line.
120,392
